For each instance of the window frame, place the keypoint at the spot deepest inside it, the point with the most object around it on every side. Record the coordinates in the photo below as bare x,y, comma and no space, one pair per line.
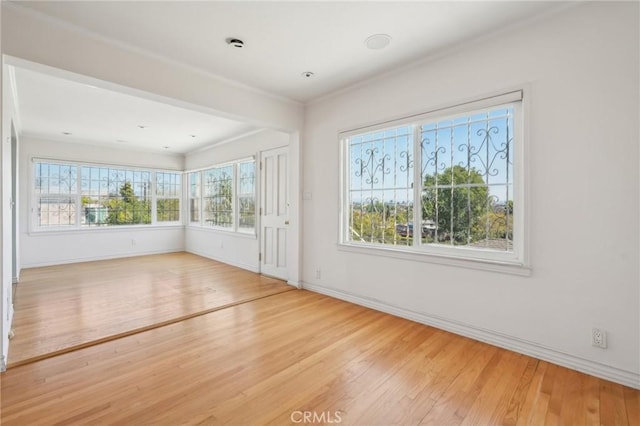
204,186
190,196
515,261
36,196
237,195
177,196
33,222
235,228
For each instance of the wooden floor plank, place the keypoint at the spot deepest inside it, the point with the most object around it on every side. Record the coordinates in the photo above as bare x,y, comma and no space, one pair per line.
67,307
613,410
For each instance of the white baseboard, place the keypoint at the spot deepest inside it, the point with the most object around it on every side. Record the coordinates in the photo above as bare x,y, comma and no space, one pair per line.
231,262
624,377
95,258
295,284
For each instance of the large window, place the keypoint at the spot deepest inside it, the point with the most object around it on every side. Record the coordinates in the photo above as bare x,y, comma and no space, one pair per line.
84,196
224,197
444,183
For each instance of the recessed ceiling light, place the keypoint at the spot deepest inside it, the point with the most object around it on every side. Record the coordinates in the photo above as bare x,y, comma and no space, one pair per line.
166,147
308,74
377,41
140,126
193,136
66,133
235,42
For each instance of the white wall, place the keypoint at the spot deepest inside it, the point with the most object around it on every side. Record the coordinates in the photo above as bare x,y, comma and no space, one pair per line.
4,329
582,67
51,248
234,248
9,119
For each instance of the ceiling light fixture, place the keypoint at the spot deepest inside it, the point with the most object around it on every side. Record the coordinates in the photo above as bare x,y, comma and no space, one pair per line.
377,41
66,133
166,147
140,126
121,141
193,136
307,74
235,42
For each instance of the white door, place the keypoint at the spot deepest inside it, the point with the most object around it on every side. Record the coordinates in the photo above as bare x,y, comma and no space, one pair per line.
274,212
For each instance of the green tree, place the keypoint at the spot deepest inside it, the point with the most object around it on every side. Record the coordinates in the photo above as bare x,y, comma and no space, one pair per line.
219,205
497,223
376,222
128,210
127,193
168,209
86,200
453,201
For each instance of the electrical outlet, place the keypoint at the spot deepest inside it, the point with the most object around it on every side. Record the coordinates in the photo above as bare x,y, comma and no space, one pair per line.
318,274
598,338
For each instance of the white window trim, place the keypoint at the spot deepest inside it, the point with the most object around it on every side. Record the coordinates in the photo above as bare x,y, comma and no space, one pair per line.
34,229
516,262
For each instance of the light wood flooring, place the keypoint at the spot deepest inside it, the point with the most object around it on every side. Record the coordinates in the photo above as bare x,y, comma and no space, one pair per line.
66,307
271,360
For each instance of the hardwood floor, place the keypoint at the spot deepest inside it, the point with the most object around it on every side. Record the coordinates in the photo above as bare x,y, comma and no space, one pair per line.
67,307
278,359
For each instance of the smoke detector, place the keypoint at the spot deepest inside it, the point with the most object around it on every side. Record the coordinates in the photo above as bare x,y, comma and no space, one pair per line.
235,42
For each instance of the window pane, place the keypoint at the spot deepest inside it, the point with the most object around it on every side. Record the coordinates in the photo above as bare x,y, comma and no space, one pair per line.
218,197
56,186
168,193
247,213
56,178
114,196
56,211
381,187
467,177
246,195
168,210
194,197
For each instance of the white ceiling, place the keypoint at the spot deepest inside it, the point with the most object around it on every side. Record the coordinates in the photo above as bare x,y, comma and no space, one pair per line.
282,40
50,106
285,39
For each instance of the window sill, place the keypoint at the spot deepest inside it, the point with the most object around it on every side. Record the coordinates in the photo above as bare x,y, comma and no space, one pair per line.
459,261
91,230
